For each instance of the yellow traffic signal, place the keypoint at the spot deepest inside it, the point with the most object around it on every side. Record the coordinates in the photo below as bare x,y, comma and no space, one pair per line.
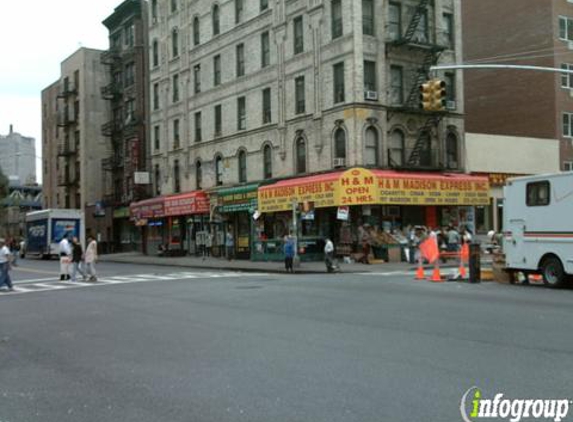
426,95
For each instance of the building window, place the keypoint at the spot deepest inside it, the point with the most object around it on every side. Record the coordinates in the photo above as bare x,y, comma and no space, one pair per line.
156,137
450,80
176,137
568,125
298,35
264,5
129,35
265,49
175,96
197,78
153,11
338,70
448,29
452,151
565,28
129,74
173,6
421,33
217,70
196,31
567,78
219,170
267,162
240,60
538,194
394,21
176,174
299,93
198,134
216,20
157,180
370,76
174,43
396,85
130,111
396,150
371,147
218,120
568,166
238,11
267,113
242,166
155,53
340,143
336,16
241,113
300,153
156,96
198,175
368,17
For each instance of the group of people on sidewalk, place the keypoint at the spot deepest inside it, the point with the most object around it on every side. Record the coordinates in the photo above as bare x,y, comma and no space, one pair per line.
449,239
72,255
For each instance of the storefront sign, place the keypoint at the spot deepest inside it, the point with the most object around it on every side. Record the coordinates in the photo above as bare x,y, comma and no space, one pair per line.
243,198
150,208
122,212
364,187
343,213
187,203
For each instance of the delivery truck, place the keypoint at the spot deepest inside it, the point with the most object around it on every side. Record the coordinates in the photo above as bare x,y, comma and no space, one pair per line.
45,229
538,226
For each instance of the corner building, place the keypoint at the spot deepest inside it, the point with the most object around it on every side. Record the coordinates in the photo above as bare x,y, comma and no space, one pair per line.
248,93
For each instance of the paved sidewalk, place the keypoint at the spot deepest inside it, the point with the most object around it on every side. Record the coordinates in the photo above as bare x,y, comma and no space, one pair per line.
244,265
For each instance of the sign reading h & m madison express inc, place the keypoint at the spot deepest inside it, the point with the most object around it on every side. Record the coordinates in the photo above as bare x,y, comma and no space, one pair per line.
360,186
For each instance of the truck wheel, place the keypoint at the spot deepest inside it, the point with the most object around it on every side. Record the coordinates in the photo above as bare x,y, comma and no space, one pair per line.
553,273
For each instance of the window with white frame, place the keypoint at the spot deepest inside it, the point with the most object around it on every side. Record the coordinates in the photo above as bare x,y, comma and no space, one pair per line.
568,166
567,124
567,78
565,28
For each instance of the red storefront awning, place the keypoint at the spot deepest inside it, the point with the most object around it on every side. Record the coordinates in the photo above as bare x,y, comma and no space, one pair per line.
195,202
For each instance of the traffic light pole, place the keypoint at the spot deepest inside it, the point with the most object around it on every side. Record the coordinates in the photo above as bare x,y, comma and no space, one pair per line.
498,66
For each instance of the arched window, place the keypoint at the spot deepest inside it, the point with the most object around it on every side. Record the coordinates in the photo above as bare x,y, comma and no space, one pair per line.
300,155
268,162
219,170
396,149
155,53
452,151
176,177
216,20
175,43
198,175
371,147
242,166
196,31
340,144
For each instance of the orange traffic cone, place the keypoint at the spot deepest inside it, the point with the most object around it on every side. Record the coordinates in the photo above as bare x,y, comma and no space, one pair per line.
462,271
536,278
436,276
420,272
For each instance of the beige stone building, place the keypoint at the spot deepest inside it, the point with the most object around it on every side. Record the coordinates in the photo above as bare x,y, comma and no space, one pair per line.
73,147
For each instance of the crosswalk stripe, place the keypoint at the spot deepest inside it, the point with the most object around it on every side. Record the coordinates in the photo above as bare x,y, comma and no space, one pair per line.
49,286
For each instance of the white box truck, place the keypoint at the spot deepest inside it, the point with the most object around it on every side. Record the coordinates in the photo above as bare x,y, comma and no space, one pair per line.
45,229
538,226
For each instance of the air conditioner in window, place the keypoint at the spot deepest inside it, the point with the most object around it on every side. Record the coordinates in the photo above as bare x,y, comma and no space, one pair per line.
339,162
450,105
371,95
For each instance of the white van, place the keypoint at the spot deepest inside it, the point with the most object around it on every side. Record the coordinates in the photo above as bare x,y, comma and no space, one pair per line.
538,226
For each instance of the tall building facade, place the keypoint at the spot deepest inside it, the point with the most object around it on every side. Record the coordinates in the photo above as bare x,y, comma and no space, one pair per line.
126,92
71,125
244,93
18,157
520,103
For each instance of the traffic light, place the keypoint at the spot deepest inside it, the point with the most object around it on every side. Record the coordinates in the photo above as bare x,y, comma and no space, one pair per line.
433,95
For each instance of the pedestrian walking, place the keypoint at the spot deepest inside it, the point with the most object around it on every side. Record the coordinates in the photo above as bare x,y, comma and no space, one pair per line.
5,258
208,244
453,240
230,244
90,258
77,256
288,248
65,257
329,256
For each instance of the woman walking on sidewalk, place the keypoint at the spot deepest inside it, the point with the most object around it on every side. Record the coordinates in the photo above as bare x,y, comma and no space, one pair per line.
91,258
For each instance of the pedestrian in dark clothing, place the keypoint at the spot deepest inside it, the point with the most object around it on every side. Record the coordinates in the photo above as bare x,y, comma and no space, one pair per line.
289,253
77,256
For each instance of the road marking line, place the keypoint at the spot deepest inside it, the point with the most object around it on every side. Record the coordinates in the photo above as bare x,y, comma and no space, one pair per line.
50,286
35,280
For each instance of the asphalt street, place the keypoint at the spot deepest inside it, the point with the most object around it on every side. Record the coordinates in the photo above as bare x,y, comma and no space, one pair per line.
172,344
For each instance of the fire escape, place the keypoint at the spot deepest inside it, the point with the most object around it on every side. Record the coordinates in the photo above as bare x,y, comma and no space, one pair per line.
421,156
68,145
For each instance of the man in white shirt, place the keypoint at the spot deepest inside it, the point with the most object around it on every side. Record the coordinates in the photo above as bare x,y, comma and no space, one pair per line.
5,257
329,255
65,258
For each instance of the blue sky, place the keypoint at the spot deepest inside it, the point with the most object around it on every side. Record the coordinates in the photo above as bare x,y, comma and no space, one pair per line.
35,36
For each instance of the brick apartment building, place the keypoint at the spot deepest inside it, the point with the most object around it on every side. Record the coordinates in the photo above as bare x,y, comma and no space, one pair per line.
516,102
